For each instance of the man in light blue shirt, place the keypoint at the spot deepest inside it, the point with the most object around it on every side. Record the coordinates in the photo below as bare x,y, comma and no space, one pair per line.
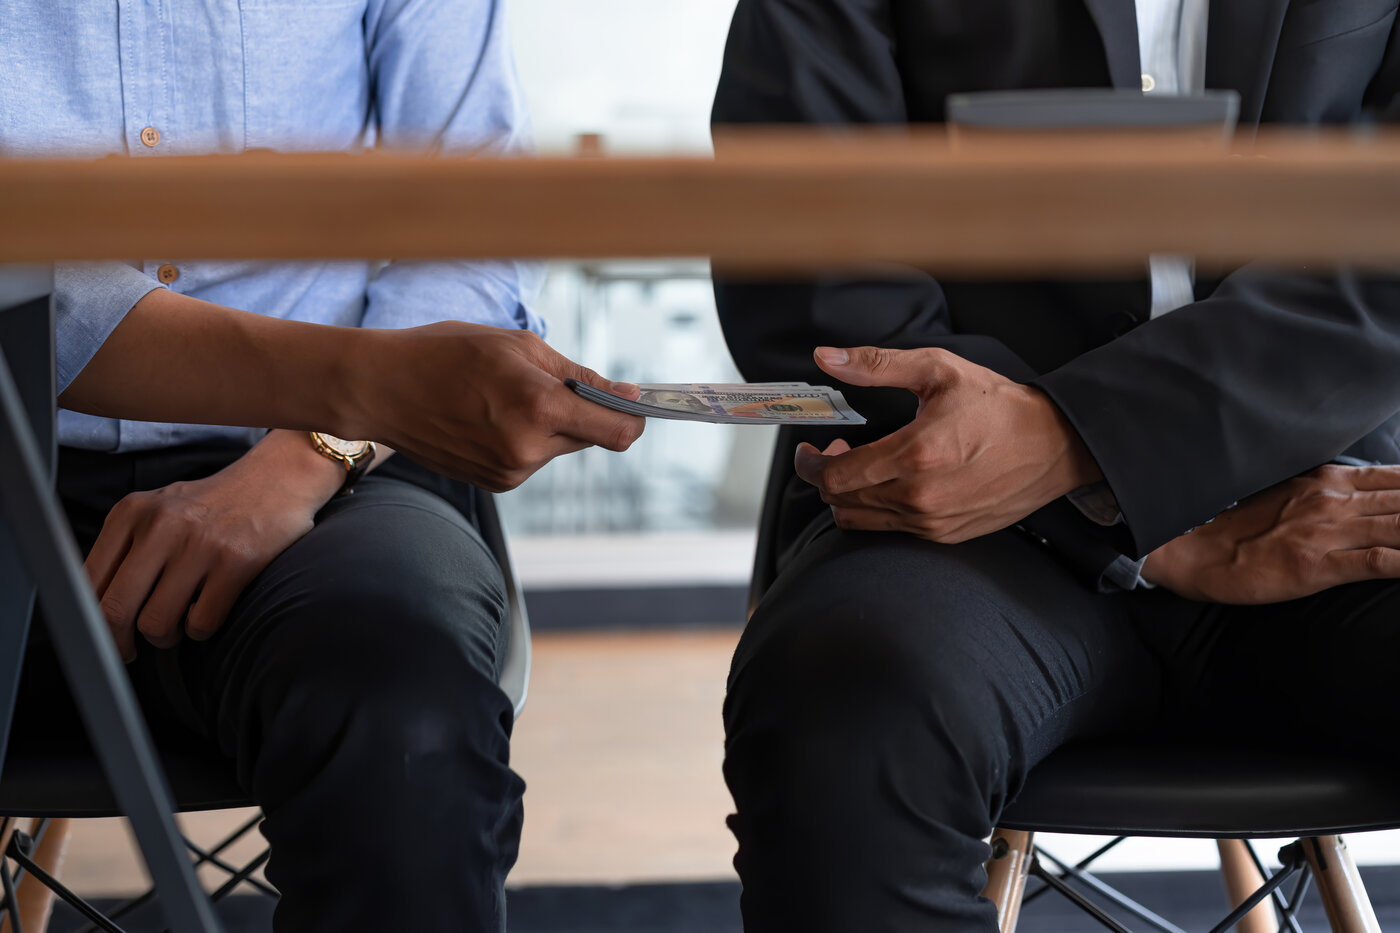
342,650
146,79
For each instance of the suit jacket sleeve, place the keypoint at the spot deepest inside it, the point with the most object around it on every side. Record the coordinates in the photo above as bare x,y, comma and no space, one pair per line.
1277,370
1274,373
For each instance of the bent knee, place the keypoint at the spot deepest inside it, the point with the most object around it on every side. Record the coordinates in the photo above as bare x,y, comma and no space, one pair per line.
854,679
383,670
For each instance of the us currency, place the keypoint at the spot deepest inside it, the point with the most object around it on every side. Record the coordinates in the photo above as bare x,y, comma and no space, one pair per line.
731,403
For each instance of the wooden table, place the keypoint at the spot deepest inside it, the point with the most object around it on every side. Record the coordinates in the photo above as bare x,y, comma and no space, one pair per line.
774,200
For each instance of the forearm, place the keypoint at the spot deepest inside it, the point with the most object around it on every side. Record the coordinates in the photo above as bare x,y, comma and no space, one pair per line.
472,402
178,359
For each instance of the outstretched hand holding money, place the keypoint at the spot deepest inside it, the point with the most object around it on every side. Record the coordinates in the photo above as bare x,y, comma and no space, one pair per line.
483,404
509,412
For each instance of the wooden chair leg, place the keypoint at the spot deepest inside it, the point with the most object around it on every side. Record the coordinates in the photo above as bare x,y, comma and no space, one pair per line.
36,901
1006,875
1242,878
8,825
1339,884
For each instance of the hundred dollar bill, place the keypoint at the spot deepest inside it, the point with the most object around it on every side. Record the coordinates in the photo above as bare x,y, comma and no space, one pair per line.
731,403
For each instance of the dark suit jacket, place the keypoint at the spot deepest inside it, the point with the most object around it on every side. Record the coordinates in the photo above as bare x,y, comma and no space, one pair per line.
1271,372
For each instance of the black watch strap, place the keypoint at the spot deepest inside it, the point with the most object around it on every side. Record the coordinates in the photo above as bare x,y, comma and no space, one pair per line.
355,471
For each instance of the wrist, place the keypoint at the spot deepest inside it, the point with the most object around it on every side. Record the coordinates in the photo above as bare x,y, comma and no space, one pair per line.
354,398
1169,566
1153,568
288,468
1072,465
1081,469
324,374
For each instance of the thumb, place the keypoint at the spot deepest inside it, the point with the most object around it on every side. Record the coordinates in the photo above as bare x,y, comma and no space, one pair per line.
875,366
561,367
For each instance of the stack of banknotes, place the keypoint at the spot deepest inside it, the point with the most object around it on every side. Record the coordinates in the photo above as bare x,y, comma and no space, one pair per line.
731,403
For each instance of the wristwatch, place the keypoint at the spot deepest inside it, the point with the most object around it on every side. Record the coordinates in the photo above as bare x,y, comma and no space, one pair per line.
355,456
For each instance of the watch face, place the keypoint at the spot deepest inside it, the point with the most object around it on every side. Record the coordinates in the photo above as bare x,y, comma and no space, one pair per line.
348,449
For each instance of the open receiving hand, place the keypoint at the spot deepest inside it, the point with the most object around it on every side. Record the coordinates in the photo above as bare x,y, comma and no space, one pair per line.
982,453
1335,525
171,562
483,404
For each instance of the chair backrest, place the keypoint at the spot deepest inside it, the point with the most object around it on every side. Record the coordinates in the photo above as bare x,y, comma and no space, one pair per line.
515,673
26,341
765,555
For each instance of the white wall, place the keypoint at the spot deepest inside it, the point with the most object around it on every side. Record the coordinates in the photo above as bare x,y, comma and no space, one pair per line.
641,72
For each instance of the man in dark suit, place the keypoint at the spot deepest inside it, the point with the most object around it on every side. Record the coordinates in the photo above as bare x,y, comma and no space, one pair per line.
964,587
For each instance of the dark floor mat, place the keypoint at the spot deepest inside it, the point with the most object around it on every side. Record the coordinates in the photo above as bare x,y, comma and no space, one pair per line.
1193,900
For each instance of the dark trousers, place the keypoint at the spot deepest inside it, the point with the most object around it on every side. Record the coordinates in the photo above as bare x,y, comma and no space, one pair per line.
889,696
353,688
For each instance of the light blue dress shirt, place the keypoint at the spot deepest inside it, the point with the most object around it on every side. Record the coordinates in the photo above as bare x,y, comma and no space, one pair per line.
146,78
1172,49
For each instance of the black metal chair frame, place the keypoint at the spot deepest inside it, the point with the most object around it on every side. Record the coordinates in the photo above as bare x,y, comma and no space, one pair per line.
41,557
1061,877
21,851
1300,862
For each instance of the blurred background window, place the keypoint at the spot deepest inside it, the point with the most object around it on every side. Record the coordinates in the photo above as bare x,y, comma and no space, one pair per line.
635,76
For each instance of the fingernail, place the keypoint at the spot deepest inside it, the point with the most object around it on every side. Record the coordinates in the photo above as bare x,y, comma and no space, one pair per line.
833,356
624,388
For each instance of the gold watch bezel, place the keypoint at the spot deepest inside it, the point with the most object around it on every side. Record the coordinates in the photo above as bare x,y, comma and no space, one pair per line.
321,444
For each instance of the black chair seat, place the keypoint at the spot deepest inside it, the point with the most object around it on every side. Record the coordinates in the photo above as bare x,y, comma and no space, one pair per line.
73,785
1173,789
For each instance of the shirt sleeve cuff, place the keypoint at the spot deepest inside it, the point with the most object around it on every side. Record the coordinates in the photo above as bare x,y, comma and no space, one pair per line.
1123,574
1097,503
90,300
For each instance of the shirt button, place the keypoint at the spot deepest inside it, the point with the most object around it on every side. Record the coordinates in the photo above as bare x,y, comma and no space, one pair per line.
167,273
151,137
1148,83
